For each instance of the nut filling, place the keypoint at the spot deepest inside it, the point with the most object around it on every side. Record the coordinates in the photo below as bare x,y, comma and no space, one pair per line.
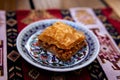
63,54
62,40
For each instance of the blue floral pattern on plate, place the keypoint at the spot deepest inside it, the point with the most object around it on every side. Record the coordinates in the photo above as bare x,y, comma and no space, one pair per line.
30,51
47,58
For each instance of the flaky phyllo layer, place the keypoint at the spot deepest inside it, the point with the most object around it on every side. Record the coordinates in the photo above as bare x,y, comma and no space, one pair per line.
62,40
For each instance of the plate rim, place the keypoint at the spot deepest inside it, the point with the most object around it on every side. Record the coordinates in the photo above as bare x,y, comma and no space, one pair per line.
22,32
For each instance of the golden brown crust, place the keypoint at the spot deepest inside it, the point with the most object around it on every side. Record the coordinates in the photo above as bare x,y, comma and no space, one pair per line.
61,35
62,40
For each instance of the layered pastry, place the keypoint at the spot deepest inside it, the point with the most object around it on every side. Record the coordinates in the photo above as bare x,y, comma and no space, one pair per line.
61,40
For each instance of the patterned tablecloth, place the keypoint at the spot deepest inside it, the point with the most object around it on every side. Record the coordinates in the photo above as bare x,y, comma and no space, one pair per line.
103,22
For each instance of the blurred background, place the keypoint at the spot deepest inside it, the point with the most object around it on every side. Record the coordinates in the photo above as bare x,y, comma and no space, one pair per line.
58,4
45,4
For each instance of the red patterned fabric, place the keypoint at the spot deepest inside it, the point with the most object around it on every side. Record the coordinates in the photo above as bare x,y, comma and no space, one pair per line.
22,17
115,22
32,16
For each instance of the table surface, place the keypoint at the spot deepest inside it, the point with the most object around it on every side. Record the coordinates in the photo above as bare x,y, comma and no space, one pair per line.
115,5
59,4
46,4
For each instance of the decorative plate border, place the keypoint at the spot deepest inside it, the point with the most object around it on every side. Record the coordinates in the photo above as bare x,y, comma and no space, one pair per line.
91,39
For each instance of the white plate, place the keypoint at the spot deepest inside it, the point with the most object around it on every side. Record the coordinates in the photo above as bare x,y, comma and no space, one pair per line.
32,53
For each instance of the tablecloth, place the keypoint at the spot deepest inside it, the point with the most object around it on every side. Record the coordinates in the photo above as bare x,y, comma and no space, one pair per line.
102,22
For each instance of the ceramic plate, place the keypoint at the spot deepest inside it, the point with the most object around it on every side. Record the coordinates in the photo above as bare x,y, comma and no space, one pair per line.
37,56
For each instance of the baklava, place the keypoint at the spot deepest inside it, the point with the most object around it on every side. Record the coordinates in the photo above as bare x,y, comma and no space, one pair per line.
61,40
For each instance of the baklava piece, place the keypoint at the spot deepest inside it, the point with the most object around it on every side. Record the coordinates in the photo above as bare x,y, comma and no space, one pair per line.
62,40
